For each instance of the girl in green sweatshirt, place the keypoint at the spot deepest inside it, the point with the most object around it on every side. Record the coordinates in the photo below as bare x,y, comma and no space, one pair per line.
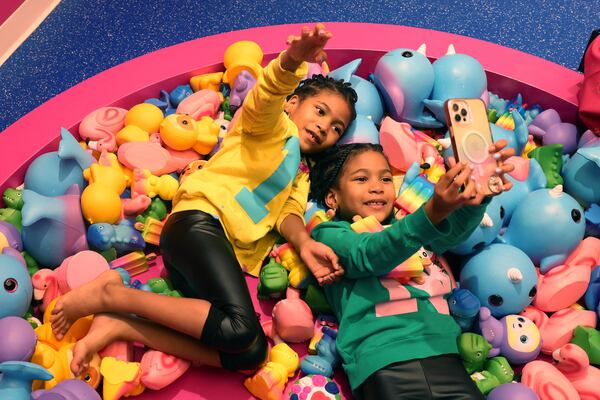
396,339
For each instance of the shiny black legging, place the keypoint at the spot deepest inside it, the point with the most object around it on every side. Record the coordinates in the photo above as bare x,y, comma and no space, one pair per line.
433,378
202,264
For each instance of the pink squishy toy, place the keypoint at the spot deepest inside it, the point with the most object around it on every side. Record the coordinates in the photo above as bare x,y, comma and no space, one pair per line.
548,382
160,370
574,363
99,128
292,318
564,285
73,272
557,330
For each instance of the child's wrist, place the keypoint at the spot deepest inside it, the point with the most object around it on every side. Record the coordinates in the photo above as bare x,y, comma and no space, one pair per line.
289,62
433,213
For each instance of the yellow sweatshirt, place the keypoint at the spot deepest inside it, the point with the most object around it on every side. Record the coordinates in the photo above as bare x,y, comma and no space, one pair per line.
253,182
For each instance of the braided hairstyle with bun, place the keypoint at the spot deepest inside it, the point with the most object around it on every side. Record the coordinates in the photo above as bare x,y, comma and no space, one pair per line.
318,83
326,171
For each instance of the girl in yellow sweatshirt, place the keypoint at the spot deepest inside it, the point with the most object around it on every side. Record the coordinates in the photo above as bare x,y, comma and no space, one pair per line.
223,222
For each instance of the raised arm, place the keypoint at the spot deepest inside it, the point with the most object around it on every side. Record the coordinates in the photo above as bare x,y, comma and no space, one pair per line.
262,111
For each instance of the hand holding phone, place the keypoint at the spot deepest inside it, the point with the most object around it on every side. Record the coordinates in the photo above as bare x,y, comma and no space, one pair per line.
471,139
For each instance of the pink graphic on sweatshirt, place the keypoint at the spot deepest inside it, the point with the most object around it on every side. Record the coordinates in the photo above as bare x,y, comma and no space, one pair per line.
437,284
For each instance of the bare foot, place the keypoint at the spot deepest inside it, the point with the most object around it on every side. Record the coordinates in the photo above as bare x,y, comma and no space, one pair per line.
104,330
88,299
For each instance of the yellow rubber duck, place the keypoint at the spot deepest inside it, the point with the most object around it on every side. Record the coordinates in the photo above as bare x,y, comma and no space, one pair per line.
182,132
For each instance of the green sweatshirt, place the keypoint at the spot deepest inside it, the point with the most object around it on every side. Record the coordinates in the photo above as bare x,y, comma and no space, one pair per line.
382,321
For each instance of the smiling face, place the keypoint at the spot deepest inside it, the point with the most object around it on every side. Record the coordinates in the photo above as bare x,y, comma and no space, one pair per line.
364,188
321,119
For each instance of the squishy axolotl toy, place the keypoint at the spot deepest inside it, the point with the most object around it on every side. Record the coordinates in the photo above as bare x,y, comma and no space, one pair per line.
464,307
16,289
123,237
573,362
502,277
515,337
547,225
53,173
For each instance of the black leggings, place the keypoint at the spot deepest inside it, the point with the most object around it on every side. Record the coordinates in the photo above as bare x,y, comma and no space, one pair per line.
202,264
440,377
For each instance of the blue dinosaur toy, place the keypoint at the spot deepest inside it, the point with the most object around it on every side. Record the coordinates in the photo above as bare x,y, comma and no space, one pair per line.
327,357
464,307
123,237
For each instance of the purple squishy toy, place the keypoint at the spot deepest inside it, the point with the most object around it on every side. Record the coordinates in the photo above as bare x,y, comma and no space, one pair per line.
12,235
515,337
70,389
548,126
242,85
17,339
512,391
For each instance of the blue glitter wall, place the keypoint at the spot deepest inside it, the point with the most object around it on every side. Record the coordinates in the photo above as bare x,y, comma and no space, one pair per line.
84,37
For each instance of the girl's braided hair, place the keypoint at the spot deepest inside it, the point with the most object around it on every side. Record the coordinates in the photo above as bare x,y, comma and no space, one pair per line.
325,172
317,83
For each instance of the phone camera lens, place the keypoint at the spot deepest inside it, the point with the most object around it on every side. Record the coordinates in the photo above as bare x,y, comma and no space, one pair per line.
463,112
455,107
457,117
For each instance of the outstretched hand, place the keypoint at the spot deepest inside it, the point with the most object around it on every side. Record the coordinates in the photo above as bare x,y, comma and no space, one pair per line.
308,46
456,188
322,261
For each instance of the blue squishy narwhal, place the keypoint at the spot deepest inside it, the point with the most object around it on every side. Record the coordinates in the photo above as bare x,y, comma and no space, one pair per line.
455,76
547,225
581,174
53,227
405,80
53,173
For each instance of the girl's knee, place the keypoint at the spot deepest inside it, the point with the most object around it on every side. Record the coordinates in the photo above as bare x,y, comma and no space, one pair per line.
248,360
